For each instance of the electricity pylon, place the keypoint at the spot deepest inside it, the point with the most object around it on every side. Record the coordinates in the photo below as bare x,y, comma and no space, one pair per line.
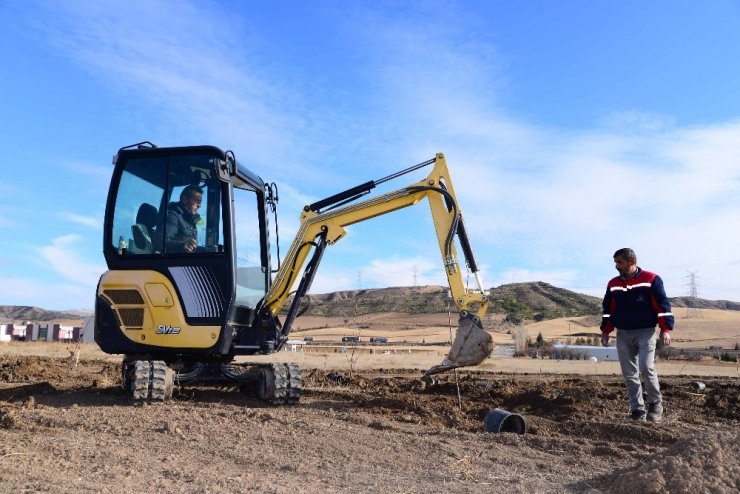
692,309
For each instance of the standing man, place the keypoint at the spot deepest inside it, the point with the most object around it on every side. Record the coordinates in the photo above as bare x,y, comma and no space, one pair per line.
182,218
634,303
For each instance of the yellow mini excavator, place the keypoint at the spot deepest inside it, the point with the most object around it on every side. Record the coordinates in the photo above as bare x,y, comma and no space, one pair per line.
189,288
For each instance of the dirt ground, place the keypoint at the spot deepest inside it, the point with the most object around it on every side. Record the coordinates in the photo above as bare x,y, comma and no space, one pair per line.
67,428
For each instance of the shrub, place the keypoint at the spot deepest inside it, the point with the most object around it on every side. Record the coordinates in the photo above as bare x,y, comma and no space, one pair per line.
540,340
565,354
668,353
693,356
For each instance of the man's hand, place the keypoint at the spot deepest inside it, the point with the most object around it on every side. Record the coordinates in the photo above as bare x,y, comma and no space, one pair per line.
604,339
190,245
665,338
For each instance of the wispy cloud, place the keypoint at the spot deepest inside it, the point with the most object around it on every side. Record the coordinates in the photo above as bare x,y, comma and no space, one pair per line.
557,202
93,222
99,172
395,271
46,294
556,278
8,222
539,201
202,84
63,257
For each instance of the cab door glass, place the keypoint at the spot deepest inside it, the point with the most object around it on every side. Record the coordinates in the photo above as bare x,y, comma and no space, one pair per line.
251,274
193,220
137,223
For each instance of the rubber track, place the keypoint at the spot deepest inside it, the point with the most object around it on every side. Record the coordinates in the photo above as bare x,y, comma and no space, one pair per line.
288,384
281,384
141,381
295,384
158,387
149,381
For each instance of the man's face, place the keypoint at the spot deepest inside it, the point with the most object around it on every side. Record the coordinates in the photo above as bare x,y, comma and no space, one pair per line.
624,266
192,202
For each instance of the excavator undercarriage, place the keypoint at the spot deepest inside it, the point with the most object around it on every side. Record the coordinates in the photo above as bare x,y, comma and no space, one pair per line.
152,381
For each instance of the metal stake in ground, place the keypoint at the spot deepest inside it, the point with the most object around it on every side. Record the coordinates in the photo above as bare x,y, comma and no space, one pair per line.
449,317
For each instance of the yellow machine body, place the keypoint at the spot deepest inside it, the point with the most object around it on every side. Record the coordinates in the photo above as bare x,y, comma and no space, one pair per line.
149,312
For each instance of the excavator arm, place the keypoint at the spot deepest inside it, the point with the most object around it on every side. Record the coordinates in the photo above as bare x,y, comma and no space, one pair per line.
323,223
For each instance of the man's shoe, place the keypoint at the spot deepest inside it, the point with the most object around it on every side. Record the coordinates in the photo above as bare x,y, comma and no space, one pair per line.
655,412
638,415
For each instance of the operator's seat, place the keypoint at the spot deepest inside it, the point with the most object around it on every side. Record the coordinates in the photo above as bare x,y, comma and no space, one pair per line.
143,230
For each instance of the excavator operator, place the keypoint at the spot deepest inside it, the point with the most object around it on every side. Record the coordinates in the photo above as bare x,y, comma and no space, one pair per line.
182,218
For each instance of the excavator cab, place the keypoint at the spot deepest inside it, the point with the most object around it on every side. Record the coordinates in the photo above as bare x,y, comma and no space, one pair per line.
190,282
158,298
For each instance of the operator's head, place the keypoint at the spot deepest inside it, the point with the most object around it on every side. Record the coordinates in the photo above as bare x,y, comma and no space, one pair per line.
191,197
625,260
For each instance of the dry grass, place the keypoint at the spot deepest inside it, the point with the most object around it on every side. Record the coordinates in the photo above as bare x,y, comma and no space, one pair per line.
715,328
404,330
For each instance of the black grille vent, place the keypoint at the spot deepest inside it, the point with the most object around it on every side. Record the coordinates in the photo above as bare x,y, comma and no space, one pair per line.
131,318
124,297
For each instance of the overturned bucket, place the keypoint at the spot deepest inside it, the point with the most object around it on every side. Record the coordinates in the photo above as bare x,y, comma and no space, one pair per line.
499,420
698,386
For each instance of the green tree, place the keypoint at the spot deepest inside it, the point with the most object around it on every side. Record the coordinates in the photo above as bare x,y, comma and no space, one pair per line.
540,340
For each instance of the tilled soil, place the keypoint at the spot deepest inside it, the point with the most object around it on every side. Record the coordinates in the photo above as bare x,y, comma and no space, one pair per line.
67,428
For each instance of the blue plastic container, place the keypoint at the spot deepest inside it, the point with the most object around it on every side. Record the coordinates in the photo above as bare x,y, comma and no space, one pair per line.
499,420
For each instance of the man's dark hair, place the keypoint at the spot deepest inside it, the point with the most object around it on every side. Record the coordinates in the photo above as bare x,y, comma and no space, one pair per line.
627,254
189,190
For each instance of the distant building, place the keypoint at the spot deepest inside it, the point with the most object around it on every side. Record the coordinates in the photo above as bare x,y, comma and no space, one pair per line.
18,332
40,332
598,352
5,330
295,345
87,333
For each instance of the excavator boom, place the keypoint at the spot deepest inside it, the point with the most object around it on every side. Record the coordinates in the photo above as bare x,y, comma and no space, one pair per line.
323,223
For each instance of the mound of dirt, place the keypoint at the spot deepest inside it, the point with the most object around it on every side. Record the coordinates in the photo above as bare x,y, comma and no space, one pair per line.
704,463
371,431
34,369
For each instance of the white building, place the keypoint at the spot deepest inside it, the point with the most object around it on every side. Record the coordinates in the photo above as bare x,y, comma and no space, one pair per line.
295,345
598,352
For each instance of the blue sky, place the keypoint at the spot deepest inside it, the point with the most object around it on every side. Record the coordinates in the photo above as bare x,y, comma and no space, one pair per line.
571,129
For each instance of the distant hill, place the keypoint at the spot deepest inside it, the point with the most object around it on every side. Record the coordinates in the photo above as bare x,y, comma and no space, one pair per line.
408,300
518,301
700,303
539,301
28,313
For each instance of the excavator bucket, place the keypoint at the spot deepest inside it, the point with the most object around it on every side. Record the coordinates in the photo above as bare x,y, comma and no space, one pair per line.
471,346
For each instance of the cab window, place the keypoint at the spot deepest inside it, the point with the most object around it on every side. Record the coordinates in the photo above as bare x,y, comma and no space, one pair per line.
251,274
168,205
136,218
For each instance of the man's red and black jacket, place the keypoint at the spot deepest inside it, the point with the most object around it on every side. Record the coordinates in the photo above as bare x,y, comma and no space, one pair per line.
636,303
